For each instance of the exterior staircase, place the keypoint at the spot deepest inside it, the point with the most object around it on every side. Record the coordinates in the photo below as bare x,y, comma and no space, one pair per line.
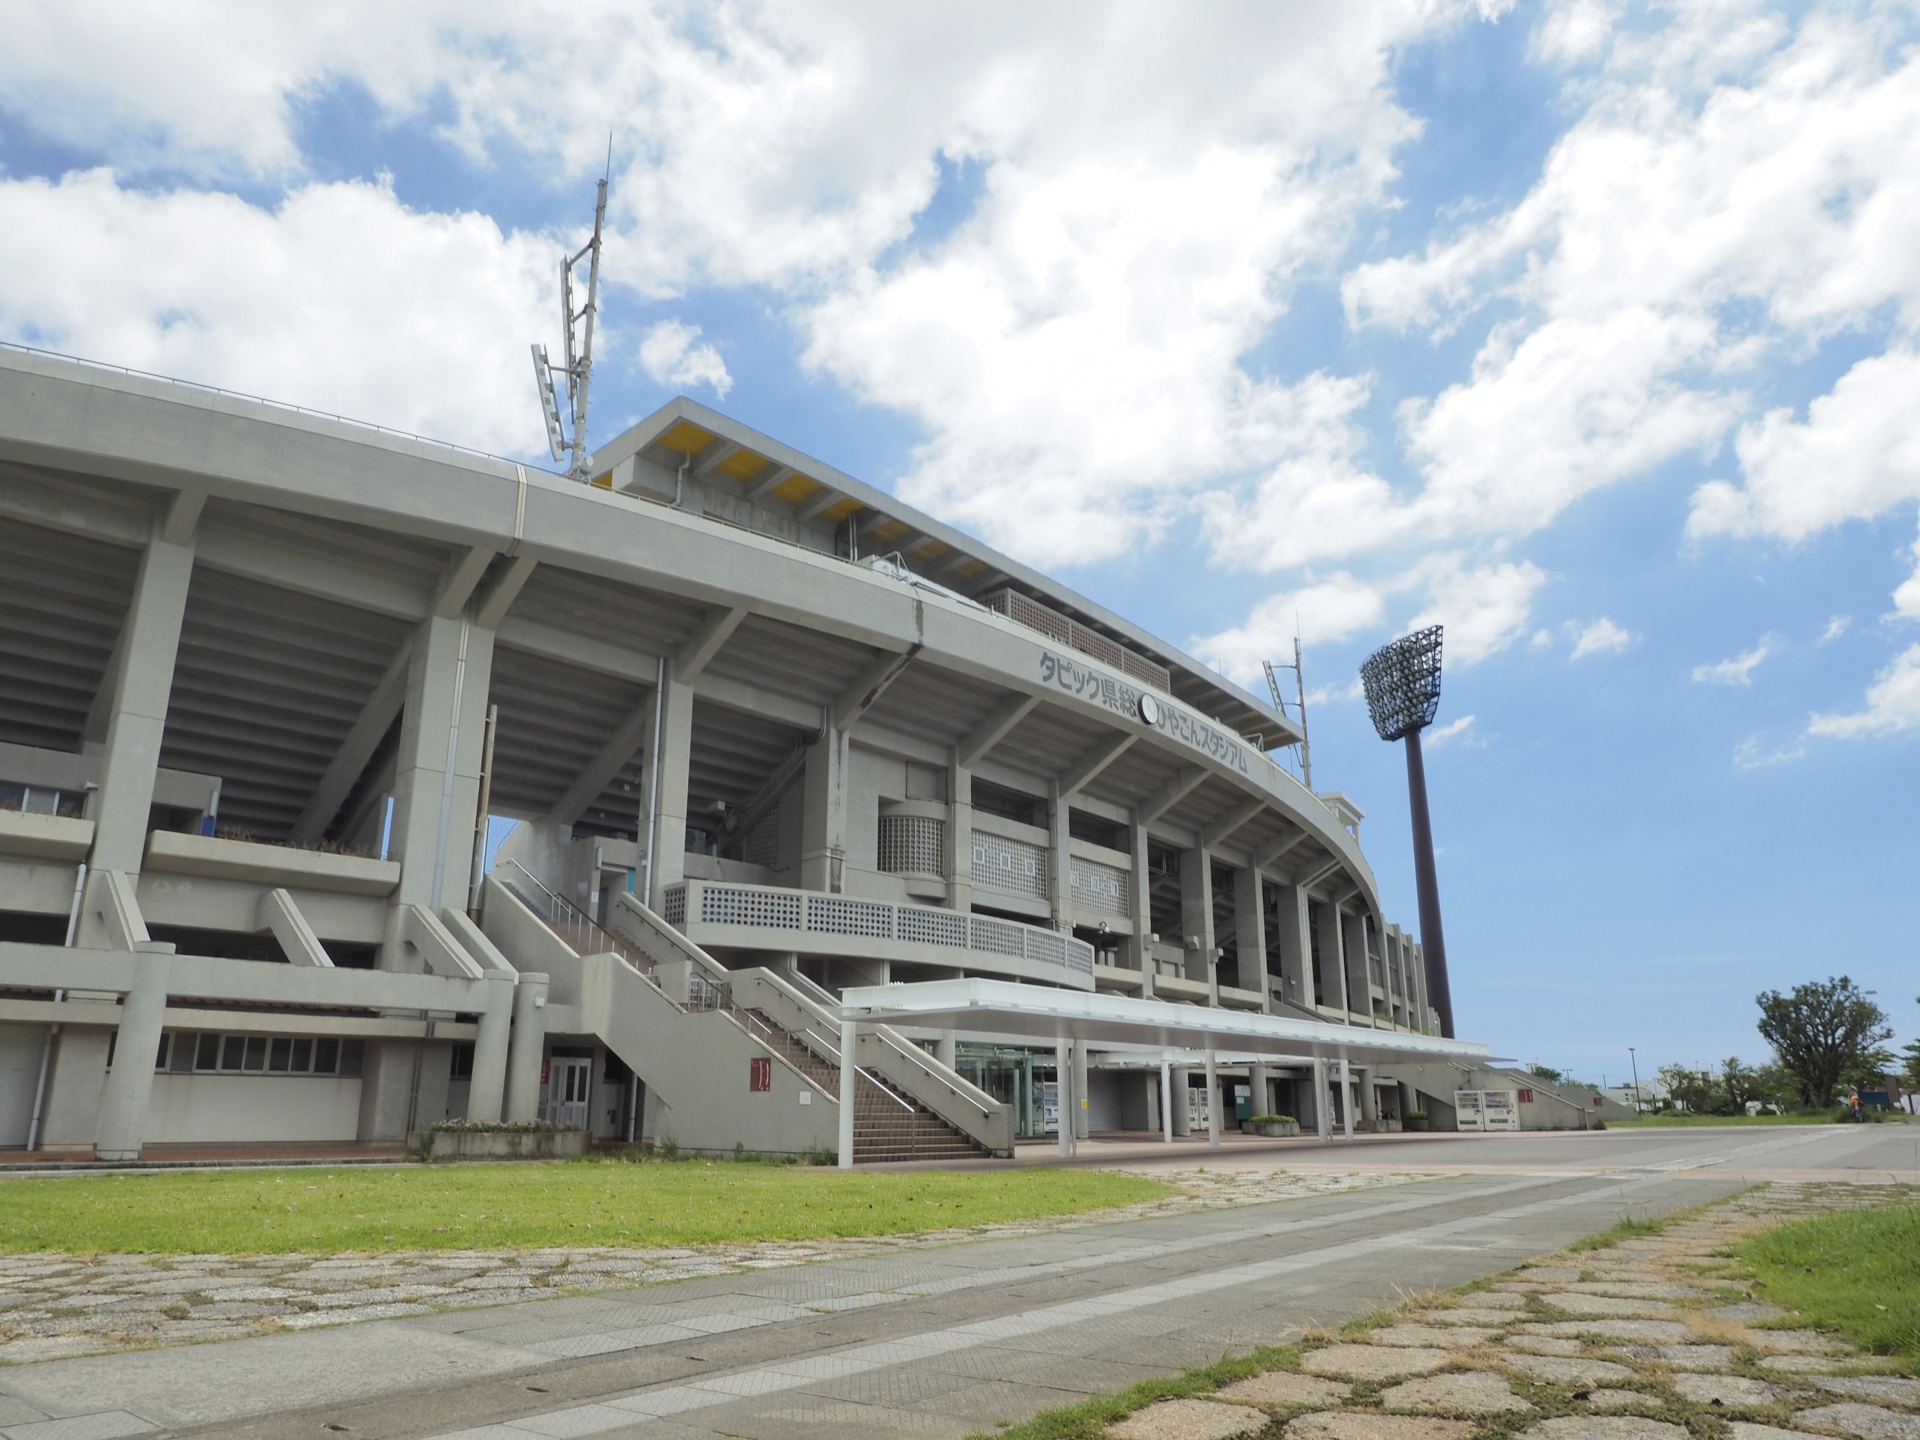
889,1125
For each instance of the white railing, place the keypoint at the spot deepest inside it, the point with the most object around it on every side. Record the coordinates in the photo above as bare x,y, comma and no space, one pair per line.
763,907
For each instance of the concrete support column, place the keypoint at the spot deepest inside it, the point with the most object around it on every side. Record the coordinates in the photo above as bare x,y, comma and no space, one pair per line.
1166,1102
1059,857
526,1048
1296,946
1196,919
959,833
823,828
667,767
487,1094
137,721
849,1082
1140,906
1259,1101
1181,1121
946,1049
1346,1097
1080,1107
1333,972
1322,1116
1369,1098
1359,969
1213,1103
1250,935
123,1107
1063,1095
436,786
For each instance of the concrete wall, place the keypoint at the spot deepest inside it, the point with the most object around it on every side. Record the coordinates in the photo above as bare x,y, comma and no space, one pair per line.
257,1108
21,1047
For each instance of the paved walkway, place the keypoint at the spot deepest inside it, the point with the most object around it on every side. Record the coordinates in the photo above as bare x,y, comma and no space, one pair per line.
940,1339
1633,1342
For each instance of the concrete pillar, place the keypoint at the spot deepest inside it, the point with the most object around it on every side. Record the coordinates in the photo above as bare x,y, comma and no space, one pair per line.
1346,1097
1259,1100
1250,935
1359,969
946,1049
1181,1119
823,827
1333,974
1059,857
138,720
526,1048
488,1092
1166,1102
1296,945
1081,1117
667,767
1369,1099
959,833
1140,906
1322,1116
436,786
123,1106
1063,1095
1196,919
1213,1103
849,1079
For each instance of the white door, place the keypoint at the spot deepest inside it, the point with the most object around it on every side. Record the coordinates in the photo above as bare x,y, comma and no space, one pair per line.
567,1096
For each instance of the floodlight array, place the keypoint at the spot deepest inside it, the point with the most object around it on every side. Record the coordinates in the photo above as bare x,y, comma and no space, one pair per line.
1403,683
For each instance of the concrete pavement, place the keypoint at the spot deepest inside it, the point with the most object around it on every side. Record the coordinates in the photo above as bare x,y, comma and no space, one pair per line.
943,1340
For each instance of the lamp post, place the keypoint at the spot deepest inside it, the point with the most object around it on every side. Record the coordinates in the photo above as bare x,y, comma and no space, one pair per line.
1635,1058
1402,681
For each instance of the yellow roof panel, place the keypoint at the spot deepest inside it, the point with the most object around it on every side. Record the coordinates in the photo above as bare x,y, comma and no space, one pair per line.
841,509
743,464
796,488
685,437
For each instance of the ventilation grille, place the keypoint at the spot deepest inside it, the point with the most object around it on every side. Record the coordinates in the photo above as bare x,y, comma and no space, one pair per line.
1010,866
1104,889
1025,610
913,845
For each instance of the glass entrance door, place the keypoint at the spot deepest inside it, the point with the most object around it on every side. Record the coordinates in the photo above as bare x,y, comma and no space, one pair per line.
567,1086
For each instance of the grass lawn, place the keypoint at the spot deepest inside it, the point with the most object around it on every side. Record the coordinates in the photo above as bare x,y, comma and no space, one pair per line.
1656,1122
447,1207
1856,1273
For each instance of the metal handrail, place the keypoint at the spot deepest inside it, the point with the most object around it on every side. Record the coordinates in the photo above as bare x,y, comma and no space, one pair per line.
562,911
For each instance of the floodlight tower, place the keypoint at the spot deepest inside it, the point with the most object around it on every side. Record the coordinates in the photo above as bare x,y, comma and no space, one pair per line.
1403,693
578,364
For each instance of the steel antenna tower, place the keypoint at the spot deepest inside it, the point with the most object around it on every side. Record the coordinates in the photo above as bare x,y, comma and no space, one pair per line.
1300,699
1403,695
578,368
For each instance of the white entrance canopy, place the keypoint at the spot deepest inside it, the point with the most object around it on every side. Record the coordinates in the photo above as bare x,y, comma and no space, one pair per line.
1002,1007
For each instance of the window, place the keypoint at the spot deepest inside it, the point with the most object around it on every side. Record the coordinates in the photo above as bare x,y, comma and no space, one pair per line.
280,1054
302,1056
232,1052
461,1065
166,1048
326,1056
206,1054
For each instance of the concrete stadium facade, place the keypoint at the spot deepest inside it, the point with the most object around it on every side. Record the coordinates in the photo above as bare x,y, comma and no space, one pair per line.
775,739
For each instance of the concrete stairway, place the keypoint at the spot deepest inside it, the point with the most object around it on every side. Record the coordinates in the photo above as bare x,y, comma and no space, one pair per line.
887,1126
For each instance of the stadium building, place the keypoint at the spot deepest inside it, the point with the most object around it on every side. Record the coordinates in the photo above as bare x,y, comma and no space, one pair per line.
822,801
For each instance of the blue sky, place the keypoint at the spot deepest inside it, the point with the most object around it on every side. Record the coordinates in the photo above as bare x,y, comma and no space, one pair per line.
1586,329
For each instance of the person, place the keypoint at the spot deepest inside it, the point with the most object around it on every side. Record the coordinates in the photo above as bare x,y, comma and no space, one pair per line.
1853,1107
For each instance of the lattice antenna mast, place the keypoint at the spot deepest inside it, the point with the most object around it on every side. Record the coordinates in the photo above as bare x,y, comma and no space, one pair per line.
577,328
1402,681
1300,699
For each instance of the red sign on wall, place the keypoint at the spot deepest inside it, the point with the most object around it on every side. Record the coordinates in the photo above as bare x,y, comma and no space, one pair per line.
760,1073
546,1071
1526,1097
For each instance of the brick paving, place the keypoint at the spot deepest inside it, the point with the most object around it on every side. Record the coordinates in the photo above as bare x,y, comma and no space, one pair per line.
1655,1338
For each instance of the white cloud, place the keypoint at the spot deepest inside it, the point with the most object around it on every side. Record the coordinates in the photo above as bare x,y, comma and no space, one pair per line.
668,353
1484,610
1440,734
1893,704
340,299
1836,627
1737,671
1332,609
1735,192
1752,754
1600,638
1855,456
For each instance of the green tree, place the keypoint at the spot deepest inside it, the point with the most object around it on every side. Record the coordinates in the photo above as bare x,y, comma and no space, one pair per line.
1694,1090
1910,1066
1819,1031
1742,1085
1869,1069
